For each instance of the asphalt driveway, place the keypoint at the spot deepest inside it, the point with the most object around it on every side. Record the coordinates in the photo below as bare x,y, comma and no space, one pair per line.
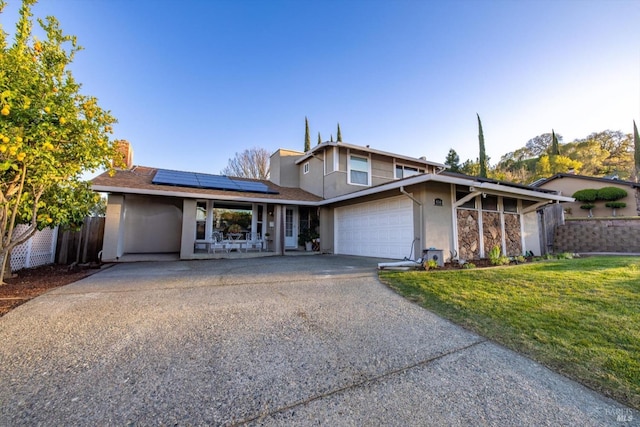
267,341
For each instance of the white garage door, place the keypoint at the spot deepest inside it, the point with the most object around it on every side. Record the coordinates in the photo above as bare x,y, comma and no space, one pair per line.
383,228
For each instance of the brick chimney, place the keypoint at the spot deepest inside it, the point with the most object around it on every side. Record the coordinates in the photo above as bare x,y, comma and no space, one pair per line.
124,155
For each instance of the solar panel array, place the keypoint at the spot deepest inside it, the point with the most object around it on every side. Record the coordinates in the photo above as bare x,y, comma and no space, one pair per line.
212,182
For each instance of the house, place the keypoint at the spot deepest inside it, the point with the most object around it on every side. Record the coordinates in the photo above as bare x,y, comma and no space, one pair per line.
362,201
568,184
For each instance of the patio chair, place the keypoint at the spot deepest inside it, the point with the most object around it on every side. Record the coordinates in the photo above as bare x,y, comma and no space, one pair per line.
218,242
254,241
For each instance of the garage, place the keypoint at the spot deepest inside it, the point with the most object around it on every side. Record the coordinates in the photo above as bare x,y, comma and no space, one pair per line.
381,228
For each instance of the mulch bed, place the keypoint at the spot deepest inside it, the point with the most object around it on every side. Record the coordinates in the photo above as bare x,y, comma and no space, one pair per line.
31,282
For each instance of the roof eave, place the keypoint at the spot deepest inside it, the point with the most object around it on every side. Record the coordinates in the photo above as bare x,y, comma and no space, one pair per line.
205,196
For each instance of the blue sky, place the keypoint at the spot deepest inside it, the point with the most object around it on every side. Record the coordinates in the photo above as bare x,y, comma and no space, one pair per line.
193,82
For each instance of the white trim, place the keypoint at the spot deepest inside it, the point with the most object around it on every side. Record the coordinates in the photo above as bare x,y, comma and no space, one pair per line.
305,168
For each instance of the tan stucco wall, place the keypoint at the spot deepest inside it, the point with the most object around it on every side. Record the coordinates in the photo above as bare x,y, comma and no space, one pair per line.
312,181
569,185
282,168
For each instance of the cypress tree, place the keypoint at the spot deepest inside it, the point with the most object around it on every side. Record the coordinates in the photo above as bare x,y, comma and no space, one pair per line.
483,154
555,147
339,134
636,144
319,139
307,137
331,137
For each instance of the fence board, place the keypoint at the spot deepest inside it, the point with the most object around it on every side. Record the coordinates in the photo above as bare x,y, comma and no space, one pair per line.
83,245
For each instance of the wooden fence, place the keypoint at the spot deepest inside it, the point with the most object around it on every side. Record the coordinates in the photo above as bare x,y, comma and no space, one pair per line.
82,246
550,217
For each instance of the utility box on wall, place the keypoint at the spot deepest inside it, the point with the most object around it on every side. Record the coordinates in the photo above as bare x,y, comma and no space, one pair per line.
433,254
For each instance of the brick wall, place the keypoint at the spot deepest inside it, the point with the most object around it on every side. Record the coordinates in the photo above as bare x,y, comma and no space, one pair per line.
598,235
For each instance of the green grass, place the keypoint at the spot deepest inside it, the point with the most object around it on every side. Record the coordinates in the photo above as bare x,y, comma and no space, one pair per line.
580,317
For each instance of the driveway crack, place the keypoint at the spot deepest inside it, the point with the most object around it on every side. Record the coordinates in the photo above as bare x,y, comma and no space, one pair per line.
358,384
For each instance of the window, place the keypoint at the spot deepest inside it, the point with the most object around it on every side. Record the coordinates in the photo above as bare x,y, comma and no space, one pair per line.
510,205
489,203
358,170
305,168
407,171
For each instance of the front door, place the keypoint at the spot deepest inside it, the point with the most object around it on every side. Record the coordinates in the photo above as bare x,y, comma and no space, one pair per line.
291,227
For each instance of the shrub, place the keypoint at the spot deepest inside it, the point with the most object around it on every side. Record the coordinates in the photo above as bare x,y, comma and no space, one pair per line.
616,205
611,193
586,195
496,258
565,255
520,259
469,265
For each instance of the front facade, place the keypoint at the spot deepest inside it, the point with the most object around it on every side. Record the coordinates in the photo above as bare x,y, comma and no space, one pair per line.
358,200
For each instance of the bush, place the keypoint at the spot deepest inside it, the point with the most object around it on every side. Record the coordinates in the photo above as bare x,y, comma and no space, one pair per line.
616,205
586,195
565,255
469,265
611,193
588,206
496,258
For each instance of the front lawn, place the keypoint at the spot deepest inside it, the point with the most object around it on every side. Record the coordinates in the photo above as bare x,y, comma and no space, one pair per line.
580,317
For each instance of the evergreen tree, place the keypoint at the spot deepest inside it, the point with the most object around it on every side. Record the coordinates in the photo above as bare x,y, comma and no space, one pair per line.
331,138
319,139
339,134
555,148
307,137
452,161
636,143
483,155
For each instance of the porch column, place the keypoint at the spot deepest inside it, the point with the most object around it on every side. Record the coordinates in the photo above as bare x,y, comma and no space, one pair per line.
188,236
278,238
113,228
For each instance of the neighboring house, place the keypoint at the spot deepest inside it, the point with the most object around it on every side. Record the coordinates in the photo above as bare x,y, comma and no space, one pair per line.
568,184
362,201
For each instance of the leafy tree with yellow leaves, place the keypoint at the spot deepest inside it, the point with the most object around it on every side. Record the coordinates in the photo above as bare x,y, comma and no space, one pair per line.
50,133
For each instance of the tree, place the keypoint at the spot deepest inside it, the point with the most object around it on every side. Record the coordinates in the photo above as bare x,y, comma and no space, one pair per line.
319,139
452,161
50,133
555,149
483,155
636,145
339,136
251,163
307,137
541,144
470,167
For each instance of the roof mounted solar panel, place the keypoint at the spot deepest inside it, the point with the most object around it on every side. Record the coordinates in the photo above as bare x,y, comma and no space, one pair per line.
212,182
178,178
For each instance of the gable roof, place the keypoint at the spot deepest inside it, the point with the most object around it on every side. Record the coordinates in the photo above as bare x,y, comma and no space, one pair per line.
541,182
485,185
139,180
367,149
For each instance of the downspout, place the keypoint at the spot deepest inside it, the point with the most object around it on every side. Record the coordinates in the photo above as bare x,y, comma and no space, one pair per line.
421,216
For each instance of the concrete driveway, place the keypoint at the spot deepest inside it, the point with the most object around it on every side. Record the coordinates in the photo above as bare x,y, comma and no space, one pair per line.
269,341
